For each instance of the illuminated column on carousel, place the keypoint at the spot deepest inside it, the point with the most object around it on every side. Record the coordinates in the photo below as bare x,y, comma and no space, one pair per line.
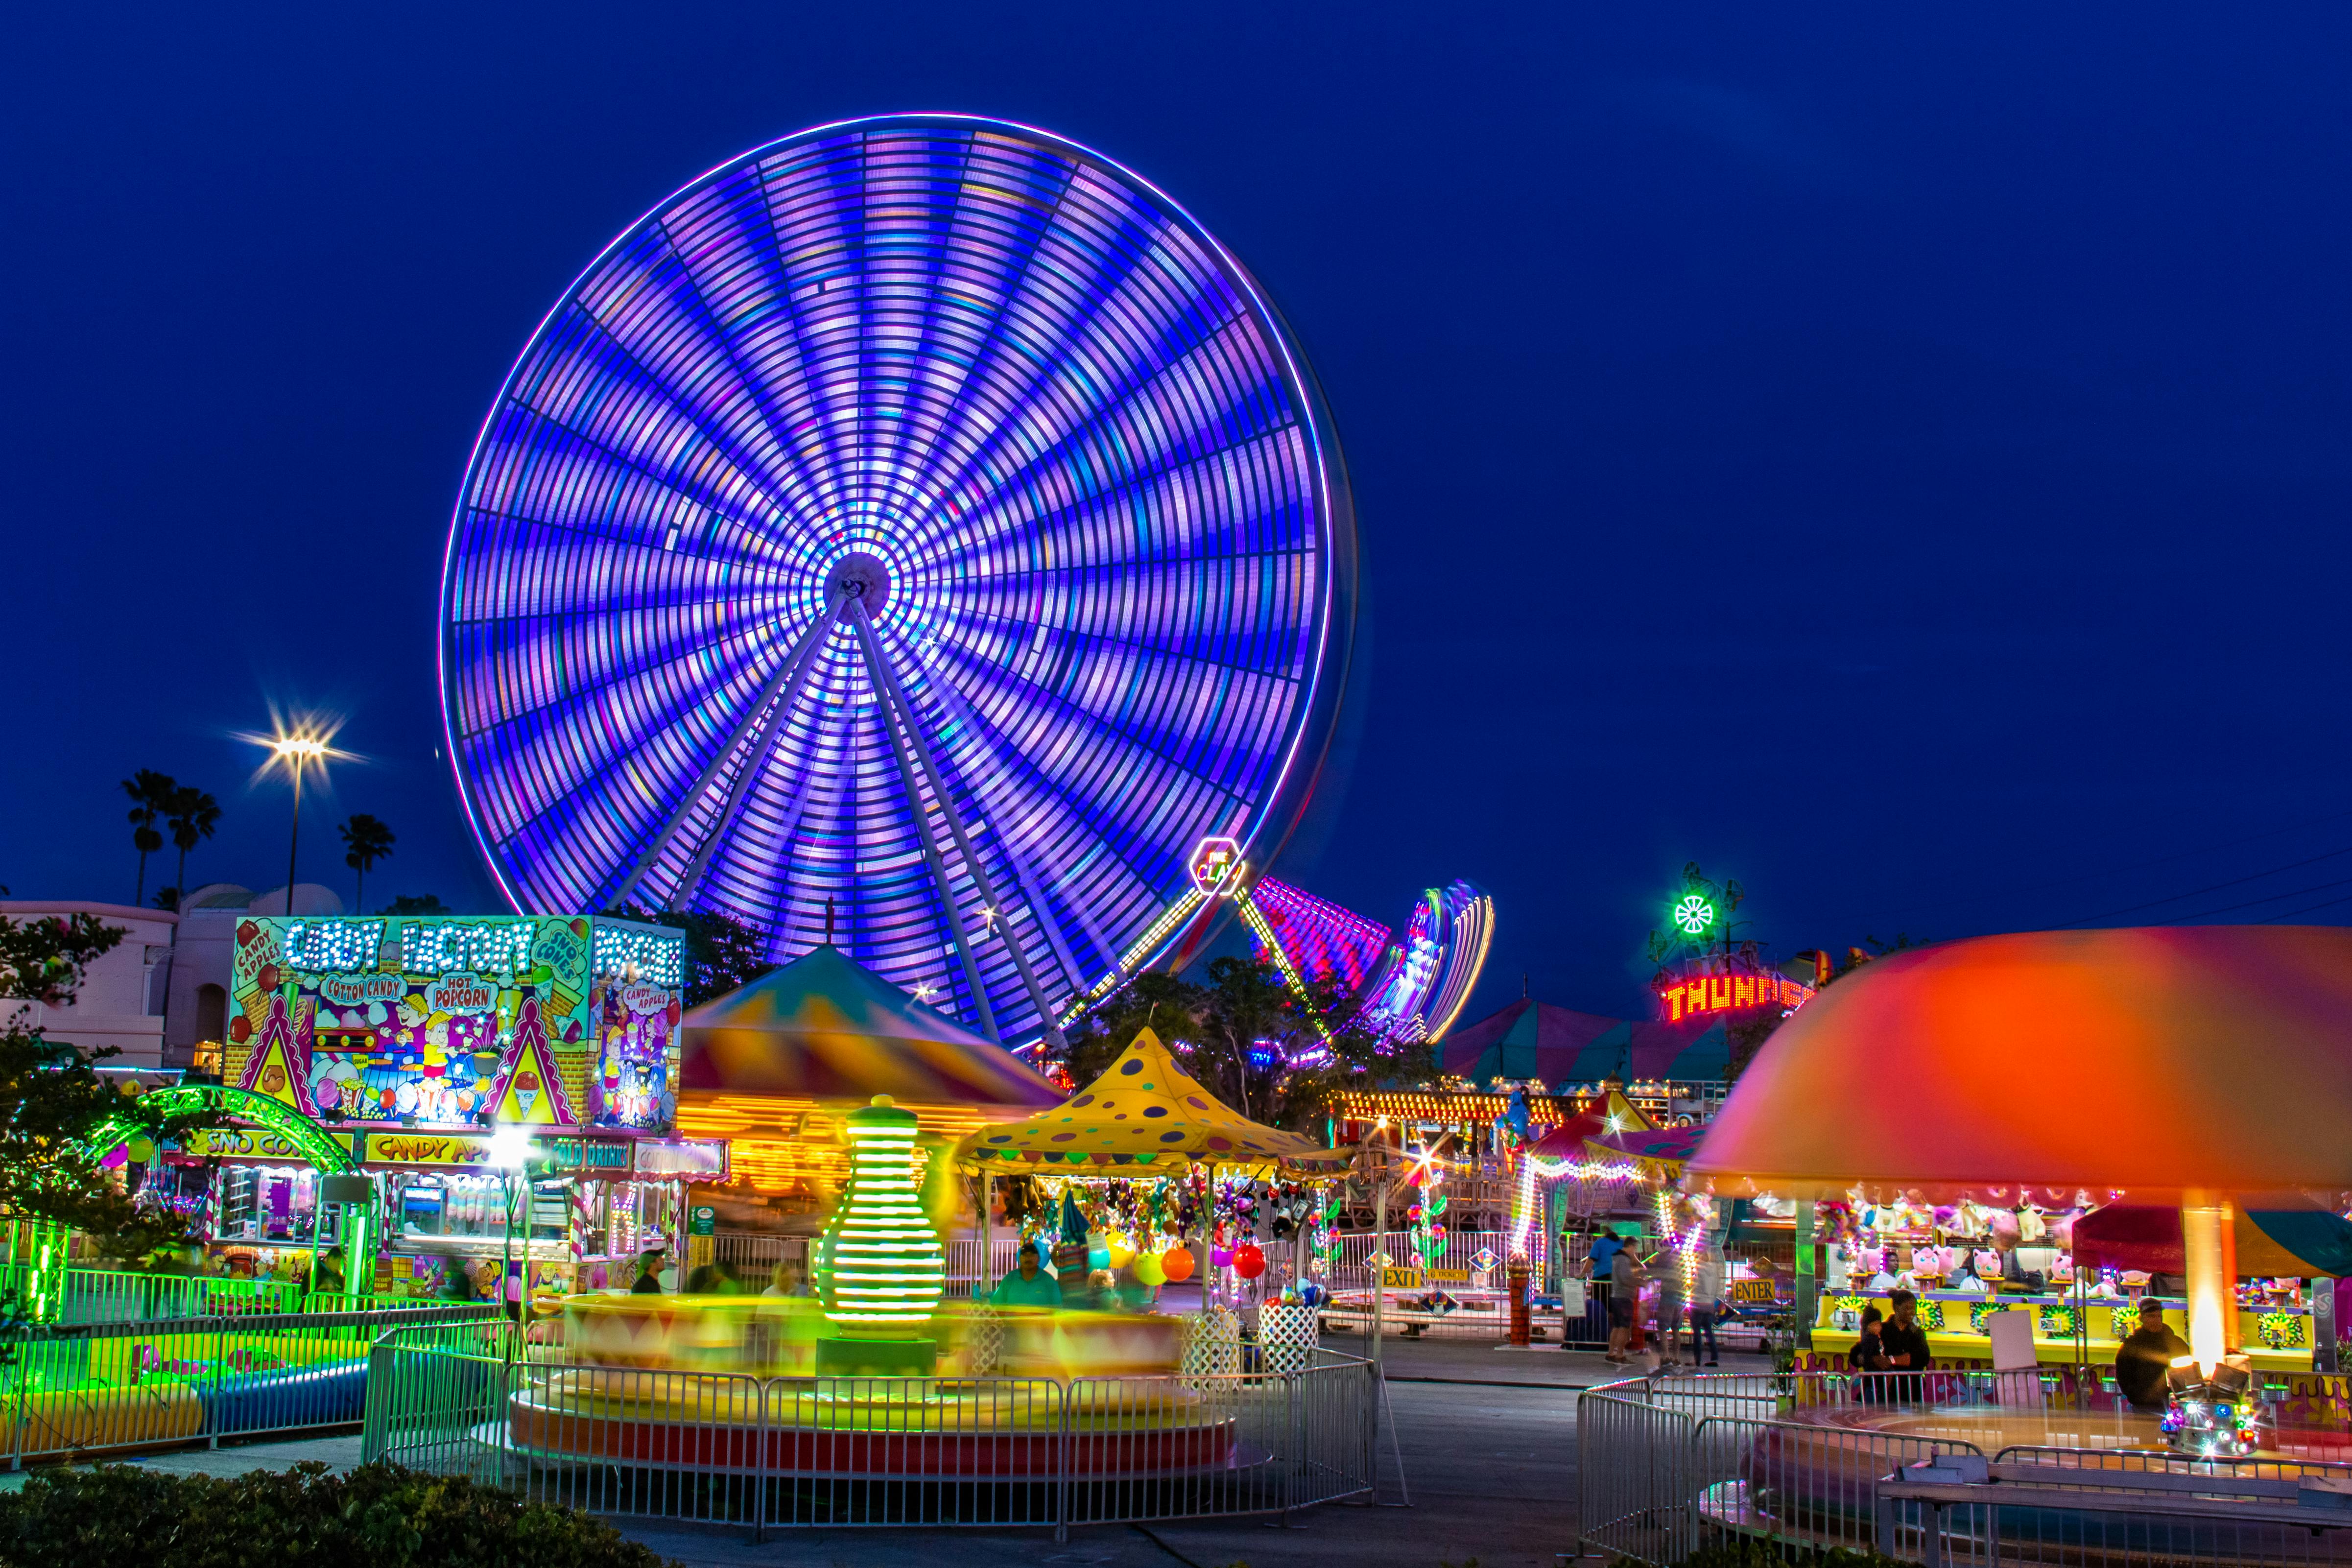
2209,1246
887,1270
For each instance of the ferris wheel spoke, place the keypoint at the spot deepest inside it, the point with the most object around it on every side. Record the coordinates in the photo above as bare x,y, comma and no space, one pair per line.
645,428
695,393
1107,786
990,777
739,272
1176,462
576,495
887,681
775,699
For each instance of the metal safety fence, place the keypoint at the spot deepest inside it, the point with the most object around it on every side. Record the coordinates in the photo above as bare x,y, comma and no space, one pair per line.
70,1391
1809,1463
123,1296
727,1448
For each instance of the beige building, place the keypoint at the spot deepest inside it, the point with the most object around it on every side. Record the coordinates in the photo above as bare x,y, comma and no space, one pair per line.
163,991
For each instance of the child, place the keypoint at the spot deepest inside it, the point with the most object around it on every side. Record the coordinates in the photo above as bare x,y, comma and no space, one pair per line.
1868,1355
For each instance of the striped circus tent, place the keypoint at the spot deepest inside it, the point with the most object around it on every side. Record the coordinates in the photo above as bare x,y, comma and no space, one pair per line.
825,1028
1558,1046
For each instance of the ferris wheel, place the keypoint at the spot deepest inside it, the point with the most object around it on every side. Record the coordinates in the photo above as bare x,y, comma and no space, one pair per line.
917,533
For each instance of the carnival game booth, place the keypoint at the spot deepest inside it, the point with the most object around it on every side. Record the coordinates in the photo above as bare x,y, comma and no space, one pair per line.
1159,1158
2000,1049
773,1068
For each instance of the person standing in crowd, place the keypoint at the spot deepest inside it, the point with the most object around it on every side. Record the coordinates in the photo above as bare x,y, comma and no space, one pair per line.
649,1267
1627,1280
1026,1284
1670,1308
1706,1303
1906,1345
1621,1301
2143,1361
789,1277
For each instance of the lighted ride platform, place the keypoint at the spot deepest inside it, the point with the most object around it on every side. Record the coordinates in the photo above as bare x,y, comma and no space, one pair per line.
742,1386
1810,1473
876,1428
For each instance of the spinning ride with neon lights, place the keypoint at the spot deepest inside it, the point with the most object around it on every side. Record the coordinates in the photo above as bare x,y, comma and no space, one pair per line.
922,517
1412,988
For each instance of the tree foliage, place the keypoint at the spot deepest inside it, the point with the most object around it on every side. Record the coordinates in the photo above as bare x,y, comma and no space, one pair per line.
366,840
1239,1030
42,958
151,796
191,815
416,905
52,1098
723,954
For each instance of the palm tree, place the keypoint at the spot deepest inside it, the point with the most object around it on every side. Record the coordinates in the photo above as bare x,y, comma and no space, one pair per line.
368,841
191,814
149,792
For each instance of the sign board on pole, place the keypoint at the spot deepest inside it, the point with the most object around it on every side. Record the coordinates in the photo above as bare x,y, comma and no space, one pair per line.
1400,1279
703,1221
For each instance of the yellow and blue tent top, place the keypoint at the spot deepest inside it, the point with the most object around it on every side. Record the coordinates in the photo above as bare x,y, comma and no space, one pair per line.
1144,1114
824,1028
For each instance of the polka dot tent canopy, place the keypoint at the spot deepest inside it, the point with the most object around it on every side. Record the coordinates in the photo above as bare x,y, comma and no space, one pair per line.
1145,1111
2070,1066
922,516
824,1028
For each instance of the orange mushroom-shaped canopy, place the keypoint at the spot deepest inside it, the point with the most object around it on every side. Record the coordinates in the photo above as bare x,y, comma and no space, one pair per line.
2151,1062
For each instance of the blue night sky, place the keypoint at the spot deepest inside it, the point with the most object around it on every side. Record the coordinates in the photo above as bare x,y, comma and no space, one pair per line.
1897,461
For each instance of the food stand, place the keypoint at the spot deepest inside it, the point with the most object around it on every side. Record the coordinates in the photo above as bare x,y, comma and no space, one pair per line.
410,1042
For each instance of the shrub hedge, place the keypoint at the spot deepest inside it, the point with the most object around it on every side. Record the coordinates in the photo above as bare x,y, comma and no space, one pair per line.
378,1516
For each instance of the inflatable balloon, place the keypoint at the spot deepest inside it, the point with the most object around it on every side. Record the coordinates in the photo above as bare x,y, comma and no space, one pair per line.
1121,1254
1221,1256
1248,1261
1148,1271
1097,1256
1178,1262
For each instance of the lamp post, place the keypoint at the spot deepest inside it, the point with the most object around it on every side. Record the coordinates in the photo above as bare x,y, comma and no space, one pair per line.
297,751
509,1149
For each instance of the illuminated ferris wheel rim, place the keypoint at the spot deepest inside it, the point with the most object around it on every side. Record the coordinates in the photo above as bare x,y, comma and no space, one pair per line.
804,607
1334,495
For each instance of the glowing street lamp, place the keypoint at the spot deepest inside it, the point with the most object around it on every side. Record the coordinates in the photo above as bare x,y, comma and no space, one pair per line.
302,749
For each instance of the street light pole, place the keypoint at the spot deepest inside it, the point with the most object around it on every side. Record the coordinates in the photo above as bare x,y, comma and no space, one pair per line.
297,751
294,838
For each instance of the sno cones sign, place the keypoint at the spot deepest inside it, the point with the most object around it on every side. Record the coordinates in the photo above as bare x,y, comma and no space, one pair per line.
280,1063
528,1090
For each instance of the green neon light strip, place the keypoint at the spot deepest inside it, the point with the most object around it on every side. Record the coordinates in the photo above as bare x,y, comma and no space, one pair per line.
310,1140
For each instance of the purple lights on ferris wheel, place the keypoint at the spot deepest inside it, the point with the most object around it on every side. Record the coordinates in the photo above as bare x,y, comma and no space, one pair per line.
920,516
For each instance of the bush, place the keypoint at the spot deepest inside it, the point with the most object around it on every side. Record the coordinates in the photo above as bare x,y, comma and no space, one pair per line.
378,1516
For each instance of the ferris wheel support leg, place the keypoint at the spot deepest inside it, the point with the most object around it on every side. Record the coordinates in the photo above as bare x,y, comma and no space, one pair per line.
907,777
759,720
889,684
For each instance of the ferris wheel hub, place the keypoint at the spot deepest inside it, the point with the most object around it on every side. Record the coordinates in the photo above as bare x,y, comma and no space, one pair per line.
862,577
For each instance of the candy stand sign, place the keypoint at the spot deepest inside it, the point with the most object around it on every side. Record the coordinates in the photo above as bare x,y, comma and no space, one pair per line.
445,1021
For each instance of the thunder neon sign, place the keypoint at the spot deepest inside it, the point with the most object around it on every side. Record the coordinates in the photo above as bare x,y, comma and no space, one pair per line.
1697,994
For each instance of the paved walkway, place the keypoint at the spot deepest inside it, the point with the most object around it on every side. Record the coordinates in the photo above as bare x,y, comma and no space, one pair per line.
1488,1437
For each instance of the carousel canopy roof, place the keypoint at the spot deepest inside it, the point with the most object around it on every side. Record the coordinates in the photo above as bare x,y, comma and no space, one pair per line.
1660,1153
2295,1243
1615,1114
825,1027
1536,1040
1143,1110
2105,1063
